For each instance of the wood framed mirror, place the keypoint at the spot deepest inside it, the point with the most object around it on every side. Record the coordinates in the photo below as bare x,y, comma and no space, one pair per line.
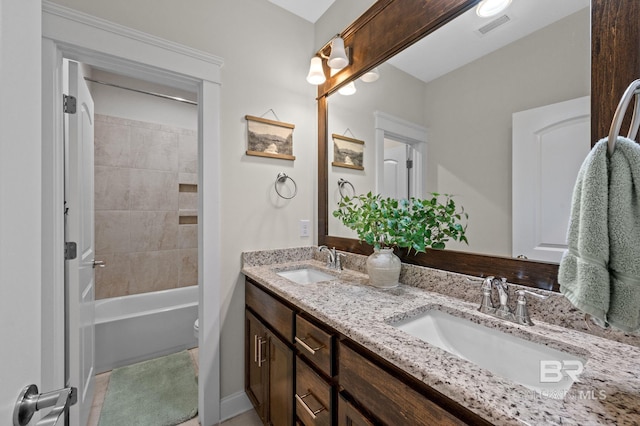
390,26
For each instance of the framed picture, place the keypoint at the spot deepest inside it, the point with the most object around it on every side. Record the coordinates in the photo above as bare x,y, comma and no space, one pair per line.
268,138
347,152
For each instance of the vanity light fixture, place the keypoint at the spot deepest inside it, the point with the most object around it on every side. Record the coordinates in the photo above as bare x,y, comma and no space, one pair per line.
370,76
316,73
348,89
488,8
338,59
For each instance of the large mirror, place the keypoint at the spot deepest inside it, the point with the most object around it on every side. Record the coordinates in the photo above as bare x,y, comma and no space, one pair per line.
479,171
446,103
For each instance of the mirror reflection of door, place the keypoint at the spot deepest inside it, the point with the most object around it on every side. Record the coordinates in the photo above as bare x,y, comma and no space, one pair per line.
399,170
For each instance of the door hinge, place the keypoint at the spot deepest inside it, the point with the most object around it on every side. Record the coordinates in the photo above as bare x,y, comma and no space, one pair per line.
69,104
70,250
409,164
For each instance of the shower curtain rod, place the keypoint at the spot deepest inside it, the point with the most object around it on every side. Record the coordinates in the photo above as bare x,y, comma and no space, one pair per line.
159,95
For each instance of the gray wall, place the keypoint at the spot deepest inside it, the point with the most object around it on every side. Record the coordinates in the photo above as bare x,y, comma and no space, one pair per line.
468,115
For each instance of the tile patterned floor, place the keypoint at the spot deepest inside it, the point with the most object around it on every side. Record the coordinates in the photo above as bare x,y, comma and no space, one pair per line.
250,418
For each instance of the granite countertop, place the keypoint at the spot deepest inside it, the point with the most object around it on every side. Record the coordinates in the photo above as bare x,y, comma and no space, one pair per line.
608,391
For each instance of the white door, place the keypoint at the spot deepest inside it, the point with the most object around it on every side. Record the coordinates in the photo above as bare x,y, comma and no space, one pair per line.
20,203
79,228
401,170
549,146
395,171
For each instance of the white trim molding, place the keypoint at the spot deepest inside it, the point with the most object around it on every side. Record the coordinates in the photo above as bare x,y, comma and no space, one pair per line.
400,128
74,31
389,126
70,34
234,405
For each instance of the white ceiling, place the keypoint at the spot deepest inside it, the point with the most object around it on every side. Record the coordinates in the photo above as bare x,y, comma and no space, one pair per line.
459,42
311,10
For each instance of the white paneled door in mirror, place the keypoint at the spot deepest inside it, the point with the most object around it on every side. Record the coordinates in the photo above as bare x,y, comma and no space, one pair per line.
549,145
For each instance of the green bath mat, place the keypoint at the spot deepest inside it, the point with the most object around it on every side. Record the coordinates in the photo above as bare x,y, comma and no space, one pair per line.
158,392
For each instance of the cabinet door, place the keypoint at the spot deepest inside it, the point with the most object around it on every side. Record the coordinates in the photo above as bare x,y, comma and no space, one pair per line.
348,415
255,363
280,364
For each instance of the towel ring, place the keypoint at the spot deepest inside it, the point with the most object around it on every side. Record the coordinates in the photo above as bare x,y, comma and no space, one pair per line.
341,183
282,178
618,116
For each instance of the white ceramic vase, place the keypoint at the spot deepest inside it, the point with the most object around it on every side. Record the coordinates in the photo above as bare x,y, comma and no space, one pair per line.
383,268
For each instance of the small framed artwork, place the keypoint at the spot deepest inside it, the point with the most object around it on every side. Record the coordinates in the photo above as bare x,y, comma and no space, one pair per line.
269,138
347,152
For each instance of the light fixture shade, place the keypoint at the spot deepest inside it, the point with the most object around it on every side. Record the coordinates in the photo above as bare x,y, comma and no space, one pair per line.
371,76
338,58
488,8
316,73
348,89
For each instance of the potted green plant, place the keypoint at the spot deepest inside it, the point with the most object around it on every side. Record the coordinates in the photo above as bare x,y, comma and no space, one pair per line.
415,224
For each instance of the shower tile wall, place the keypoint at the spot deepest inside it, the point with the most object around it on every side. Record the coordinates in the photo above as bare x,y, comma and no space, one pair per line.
145,206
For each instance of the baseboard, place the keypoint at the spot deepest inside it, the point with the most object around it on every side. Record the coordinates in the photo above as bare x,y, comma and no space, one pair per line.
233,405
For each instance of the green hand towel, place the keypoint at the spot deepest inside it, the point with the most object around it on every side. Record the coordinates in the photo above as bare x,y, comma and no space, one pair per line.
600,272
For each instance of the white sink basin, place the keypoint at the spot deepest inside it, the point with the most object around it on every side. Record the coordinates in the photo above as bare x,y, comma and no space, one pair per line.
503,354
306,276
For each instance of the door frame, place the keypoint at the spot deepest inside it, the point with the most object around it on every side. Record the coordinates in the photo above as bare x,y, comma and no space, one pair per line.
67,33
398,129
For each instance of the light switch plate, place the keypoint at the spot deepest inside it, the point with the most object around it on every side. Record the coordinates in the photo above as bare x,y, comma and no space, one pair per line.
304,227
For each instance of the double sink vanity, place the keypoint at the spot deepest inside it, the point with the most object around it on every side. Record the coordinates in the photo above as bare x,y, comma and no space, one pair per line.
325,347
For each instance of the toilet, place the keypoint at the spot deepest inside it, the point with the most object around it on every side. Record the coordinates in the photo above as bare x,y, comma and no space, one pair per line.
196,327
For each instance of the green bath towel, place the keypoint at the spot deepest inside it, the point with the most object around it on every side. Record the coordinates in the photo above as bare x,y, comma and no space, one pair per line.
600,272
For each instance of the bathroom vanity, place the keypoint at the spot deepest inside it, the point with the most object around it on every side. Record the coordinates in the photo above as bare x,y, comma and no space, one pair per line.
330,352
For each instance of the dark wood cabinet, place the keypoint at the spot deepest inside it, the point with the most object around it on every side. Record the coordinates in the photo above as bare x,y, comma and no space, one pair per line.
269,361
255,373
348,415
389,399
300,371
314,396
315,344
280,383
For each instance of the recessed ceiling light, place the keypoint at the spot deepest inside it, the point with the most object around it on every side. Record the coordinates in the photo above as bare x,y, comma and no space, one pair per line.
488,8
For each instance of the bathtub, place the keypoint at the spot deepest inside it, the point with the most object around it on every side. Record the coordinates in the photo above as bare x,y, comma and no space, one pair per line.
129,329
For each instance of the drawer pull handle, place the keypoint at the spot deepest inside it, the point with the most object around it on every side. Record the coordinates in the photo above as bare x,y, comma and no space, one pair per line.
308,409
304,344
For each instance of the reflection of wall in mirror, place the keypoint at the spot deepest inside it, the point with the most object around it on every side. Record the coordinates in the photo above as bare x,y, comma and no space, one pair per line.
395,93
468,113
471,105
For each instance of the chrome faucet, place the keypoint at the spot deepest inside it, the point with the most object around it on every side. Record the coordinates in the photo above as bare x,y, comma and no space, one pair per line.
522,312
486,305
503,311
333,258
521,315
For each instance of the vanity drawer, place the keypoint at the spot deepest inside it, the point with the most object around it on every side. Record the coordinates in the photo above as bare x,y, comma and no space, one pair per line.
385,396
313,396
315,344
273,312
